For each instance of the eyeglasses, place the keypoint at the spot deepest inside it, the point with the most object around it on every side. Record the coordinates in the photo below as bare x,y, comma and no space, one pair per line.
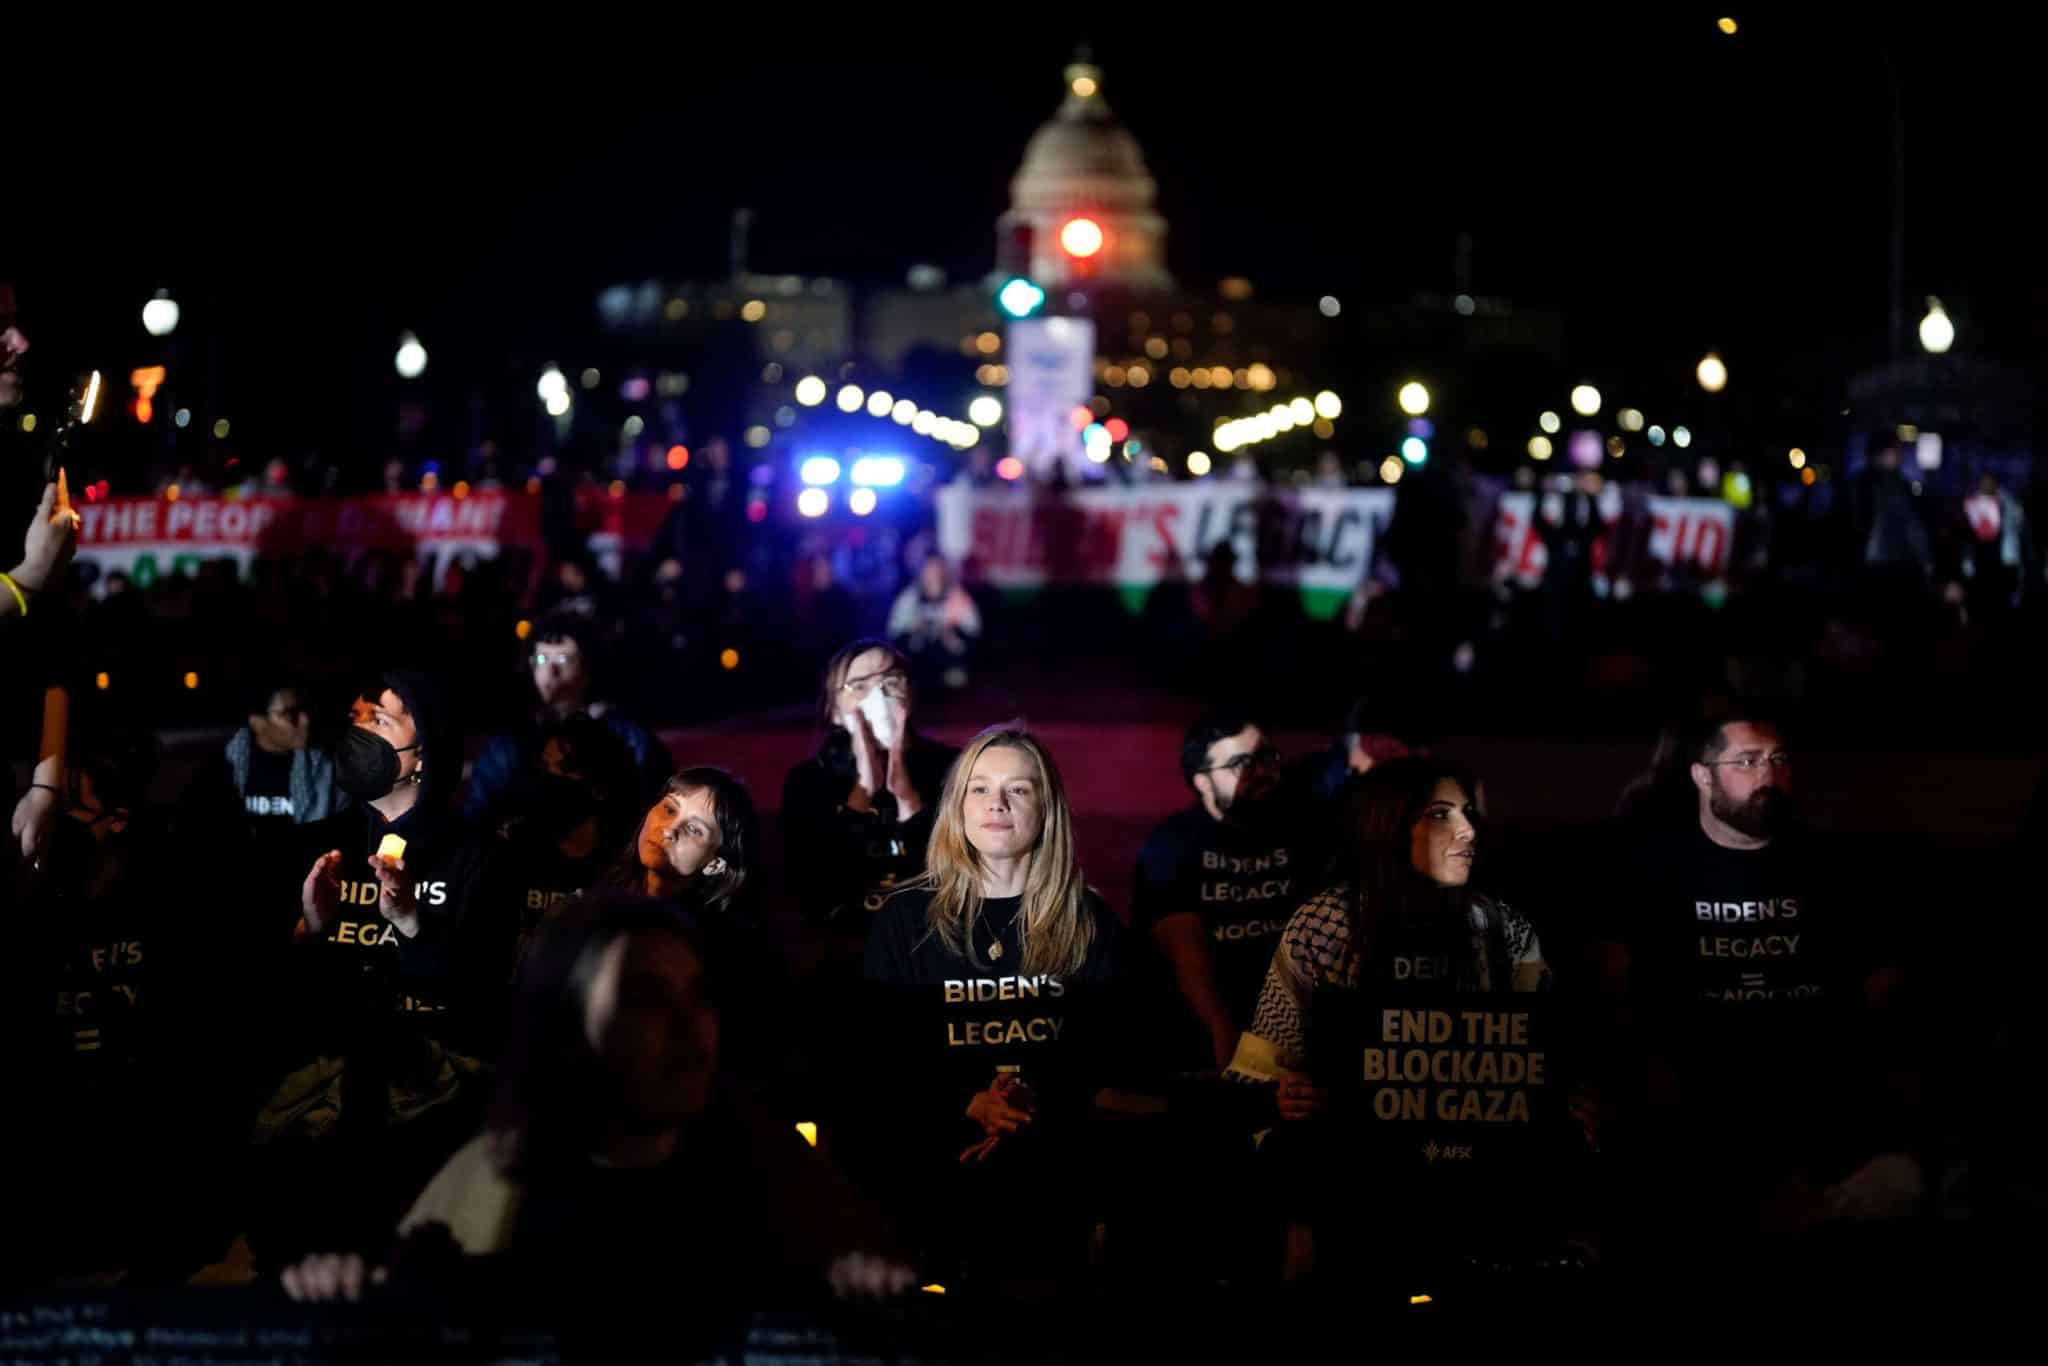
893,682
1750,763
1264,757
560,661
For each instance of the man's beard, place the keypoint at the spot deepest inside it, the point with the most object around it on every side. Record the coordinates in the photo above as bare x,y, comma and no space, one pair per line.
1762,815
1248,805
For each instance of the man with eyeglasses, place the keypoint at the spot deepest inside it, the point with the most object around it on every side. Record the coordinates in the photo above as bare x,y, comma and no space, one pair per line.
1216,882
1742,951
564,666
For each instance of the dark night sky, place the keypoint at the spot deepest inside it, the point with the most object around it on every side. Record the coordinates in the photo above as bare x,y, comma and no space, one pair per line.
1665,187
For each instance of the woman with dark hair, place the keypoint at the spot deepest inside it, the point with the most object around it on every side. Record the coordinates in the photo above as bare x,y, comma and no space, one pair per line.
857,813
695,846
620,1181
1402,924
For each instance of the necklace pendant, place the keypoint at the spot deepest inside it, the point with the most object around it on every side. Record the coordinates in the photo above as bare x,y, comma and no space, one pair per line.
995,950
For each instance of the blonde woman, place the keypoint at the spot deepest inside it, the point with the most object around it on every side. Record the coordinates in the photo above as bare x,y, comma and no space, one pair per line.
993,973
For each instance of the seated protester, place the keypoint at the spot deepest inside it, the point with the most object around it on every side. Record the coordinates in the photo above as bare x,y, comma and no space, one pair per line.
133,973
1216,882
1744,953
693,851
270,770
992,977
1404,917
936,625
856,815
625,1191
566,670
577,805
388,993
268,780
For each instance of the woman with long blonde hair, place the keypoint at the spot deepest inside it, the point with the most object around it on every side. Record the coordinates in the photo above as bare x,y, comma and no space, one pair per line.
993,972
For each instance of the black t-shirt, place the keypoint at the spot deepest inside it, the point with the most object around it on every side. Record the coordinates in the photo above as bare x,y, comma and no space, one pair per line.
1745,966
530,872
1242,880
268,796
842,863
950,1024
366,971
142,971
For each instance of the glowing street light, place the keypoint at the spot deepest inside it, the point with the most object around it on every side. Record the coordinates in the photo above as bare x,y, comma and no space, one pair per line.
1414,398
1328,406
850,398
1585,400
810,391
1549,422
160,315
985,411
1937,331
411,359
1712,373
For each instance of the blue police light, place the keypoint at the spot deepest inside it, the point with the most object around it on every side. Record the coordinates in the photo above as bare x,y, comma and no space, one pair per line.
818,469
1019,297
1414,450
878,471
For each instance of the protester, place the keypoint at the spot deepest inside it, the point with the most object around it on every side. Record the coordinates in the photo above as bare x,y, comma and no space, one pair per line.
628,1195
566,670
117,978
269,774
936,625
1215,882
1403,924
993,977
383,1011
857,813
579,801
1747,956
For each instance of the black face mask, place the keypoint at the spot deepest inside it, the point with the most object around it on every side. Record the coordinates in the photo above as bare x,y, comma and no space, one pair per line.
366,764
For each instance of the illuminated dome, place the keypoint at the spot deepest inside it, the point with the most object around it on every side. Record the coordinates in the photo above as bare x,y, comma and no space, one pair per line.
1083,164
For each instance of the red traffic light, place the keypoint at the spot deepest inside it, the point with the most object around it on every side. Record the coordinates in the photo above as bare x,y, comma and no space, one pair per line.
1081,237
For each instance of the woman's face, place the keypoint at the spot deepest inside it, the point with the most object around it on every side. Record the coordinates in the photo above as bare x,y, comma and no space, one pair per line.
870,671
1443,843
651,1028
680,834
1004,810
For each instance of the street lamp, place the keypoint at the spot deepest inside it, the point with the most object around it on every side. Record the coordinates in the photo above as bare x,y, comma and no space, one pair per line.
160,315
1937,332
411,359
1414,398
1585,400
1712,373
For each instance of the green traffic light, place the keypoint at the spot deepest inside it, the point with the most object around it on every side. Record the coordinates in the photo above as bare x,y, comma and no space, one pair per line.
1019,297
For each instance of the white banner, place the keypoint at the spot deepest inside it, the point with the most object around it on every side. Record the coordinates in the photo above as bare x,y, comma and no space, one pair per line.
1052,372
1025,536
1691,533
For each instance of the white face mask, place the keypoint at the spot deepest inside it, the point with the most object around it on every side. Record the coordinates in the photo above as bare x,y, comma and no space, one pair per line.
885,717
